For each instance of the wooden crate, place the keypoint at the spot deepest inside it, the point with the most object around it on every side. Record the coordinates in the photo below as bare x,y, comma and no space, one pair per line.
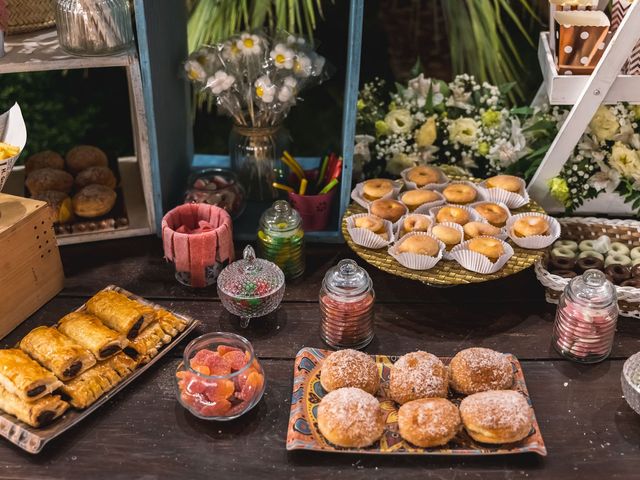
30,267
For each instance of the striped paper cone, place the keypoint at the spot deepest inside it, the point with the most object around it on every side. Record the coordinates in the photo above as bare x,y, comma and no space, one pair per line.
618,11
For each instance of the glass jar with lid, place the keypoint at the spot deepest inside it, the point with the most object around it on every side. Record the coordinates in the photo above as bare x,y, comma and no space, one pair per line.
346,303
281,238
586,318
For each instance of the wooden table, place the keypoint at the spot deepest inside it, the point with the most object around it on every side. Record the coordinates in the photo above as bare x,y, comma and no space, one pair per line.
589,430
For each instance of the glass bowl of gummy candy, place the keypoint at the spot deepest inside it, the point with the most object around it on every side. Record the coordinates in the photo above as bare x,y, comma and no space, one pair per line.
220,377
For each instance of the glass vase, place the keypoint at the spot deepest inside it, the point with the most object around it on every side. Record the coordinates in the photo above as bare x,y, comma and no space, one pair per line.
255,153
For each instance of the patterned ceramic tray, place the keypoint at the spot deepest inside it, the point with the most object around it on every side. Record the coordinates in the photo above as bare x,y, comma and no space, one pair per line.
303,433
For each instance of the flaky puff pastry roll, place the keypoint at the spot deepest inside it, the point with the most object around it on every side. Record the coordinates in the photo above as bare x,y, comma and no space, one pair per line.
90,333
57,352
120,313
147,344
37,413
171,324
24,377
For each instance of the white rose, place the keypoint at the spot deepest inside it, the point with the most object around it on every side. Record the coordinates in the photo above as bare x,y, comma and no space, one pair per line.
604,124
400,162
625,160
399,121
463,130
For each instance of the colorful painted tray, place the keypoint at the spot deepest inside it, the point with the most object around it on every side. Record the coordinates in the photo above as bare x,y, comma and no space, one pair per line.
303,433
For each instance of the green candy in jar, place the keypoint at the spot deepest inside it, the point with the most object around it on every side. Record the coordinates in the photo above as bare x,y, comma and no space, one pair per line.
281,238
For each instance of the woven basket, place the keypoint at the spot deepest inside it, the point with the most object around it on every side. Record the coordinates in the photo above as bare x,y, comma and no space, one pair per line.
589,228
30,15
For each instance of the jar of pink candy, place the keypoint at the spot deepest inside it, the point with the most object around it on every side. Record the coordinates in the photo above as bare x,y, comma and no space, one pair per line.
586,318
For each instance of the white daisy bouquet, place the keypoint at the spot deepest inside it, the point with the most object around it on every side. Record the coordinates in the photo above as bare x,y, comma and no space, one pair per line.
463,123
255,79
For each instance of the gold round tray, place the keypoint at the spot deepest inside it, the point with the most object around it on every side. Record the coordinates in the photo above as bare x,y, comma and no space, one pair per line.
446,272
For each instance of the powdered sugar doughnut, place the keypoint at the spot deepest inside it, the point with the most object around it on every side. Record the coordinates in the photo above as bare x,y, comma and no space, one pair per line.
429,422
480,369
418,375
349,368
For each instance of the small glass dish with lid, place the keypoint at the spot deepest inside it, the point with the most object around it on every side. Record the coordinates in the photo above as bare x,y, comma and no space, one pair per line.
220,377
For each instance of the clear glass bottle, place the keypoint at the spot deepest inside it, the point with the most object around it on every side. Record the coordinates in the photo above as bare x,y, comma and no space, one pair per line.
346,303
281,238
586,318
94,27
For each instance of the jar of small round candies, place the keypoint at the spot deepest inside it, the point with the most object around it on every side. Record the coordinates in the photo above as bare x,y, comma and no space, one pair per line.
346,303
281,238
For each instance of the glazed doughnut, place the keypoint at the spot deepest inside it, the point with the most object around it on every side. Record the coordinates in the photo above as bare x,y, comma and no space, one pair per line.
460,193
447,235
415,198
370,222
635,270
489,247
618,273
570,244
423,175
376,188
617,259
498,416
349,368
588,263
591,253
635,253
563,252
505,182
416,223
480,369
561,263
564,273
388,209
453,214
529,226
429,422
350,417
632,282
419,244
492,213
479,229
619,248
418,375
586,245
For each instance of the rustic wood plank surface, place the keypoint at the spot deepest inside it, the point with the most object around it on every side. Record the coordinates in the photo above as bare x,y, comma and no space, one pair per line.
589,430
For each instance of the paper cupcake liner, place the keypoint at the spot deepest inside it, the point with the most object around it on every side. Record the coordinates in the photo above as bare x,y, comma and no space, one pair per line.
481,195
425,207
473,215
502,235
447,254
444,180
510,199
476,262
406,210
534,242
397,227
366,238
501,204
416,261
358,196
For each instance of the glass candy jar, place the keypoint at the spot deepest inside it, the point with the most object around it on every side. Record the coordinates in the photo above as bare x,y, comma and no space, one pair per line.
219,187
251,287
281,238
94,27
346,303
586,318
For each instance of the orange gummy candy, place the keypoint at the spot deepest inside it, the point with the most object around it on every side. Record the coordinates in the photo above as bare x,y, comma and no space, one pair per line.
216,408
251,386
236,359
224,349
220,389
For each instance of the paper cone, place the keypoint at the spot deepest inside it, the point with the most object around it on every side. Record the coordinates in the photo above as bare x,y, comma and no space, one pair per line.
14,132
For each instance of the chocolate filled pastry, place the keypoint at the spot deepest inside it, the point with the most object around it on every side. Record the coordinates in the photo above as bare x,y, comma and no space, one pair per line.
564,273
588,263
120,313
96,176
632,282
85,156
45,179
64,357
24,377
561,263
44,159
349,368
619,273
146,345
37,413
93,201
91,333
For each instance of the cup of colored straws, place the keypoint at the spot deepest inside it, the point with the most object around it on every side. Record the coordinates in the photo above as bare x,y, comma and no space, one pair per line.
311,192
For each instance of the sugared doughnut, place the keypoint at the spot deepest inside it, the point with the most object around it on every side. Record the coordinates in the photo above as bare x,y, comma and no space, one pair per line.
492,213
460,193
423,175
619,248
350,417
480,369
419,244
563,252
564,273
497,416
447,235
349,368
618,273
561,263
376,188
418,375
617,259
591,253
452,214
429,422
370,222
414,198
388,209
489,247
479,229
635,253
570,244
586,245
588,263
416,223
505,182
529,226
